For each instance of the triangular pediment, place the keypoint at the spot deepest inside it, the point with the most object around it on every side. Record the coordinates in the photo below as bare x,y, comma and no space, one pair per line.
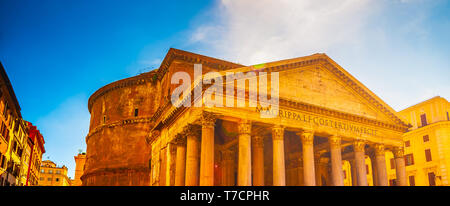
318,80
317,86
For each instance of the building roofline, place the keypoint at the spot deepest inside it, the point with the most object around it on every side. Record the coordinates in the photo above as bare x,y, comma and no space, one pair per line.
8,85
159,73
422,103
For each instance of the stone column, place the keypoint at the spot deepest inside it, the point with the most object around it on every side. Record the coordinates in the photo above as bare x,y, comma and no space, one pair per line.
353,168
279,172
336,161
180,167
207,150
374,167
400,168
309,176
245,154
360,163
192,155
155,159
228,167
258,160
382,179
170,164
317,164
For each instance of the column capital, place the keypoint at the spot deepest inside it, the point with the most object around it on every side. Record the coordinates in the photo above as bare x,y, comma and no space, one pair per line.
379,149
398,152
208,119
307,137
277,132
335,141
244,127
192,130
258,141
359,145
180,139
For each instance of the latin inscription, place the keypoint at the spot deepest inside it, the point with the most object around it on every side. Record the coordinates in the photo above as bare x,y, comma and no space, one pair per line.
320,121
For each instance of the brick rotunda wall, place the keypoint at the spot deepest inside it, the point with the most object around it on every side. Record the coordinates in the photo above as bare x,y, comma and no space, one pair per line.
117,153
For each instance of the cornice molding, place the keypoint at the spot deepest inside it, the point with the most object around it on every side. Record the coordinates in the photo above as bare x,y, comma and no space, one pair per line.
429,126
104,171
120,123
338,114
123,83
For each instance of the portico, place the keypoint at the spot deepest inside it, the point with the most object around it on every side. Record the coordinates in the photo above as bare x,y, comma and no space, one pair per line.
325,117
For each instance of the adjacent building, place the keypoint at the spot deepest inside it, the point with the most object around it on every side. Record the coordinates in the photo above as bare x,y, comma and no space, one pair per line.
15,143
426,143
34,150
80,161
52,175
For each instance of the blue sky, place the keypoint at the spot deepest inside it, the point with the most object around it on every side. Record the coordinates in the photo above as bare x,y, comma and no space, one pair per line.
57,53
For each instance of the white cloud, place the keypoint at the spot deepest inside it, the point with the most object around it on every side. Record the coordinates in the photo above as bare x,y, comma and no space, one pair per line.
386,44
64,130
254,32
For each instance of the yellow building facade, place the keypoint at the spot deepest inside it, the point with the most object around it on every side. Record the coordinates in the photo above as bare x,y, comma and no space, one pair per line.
51,175
33,155
16,141
427,143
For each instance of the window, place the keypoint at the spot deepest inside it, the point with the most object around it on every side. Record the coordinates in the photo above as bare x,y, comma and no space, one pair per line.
50,172
392,163
448,117
345,174
426,138
58,172
428,155
432,179
41,179
412,181
423,118
49,179
136,112
4,131
409,159
367,169
57,179
407,143
42,171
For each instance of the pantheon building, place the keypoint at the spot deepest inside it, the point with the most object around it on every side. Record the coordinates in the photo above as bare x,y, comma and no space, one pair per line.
326,120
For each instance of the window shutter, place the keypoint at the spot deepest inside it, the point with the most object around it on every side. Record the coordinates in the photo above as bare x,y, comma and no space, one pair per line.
428,155
426,138
412,181
423,119
431,179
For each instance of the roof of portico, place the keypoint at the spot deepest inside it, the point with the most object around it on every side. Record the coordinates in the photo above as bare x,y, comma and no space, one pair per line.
167,112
